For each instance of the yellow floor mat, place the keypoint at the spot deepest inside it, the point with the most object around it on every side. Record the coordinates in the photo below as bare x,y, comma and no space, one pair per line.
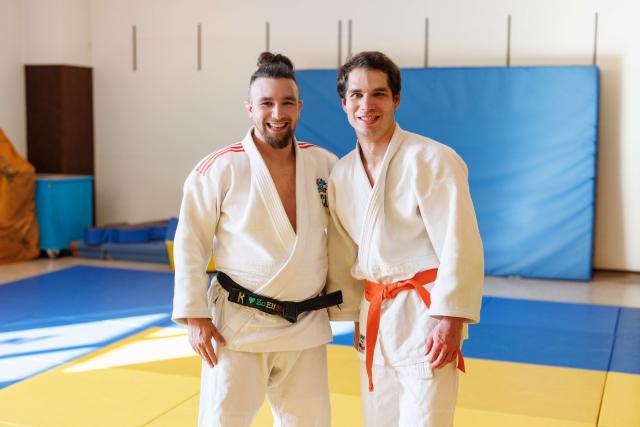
111,387
621,403
496,393
152,379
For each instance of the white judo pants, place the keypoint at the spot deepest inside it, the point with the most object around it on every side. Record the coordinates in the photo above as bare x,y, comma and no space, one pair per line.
294,382
415,396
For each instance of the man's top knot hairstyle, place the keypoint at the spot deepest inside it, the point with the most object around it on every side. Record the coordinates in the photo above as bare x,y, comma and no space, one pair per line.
273,66
370,61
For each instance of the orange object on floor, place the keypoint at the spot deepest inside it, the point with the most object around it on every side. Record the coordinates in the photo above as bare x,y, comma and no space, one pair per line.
18,222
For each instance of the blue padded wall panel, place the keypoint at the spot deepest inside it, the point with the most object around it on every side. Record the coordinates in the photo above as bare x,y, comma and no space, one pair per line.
529,138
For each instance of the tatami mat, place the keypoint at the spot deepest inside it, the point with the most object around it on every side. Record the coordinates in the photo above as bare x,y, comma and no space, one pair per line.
65,359
153,378
547,333
621,401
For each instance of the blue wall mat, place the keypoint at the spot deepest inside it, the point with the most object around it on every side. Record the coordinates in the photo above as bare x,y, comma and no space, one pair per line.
529,137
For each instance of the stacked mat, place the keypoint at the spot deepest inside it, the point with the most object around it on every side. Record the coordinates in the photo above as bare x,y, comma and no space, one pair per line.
141,242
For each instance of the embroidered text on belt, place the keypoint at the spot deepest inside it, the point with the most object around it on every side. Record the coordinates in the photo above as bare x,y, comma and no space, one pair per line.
375,293
289,310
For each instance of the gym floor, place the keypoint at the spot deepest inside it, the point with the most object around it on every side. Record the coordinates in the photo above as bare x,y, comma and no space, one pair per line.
91,343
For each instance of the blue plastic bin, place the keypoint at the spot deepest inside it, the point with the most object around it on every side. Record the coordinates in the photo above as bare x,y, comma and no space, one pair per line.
64,207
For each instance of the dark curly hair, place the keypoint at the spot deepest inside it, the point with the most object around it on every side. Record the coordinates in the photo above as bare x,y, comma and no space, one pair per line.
370,61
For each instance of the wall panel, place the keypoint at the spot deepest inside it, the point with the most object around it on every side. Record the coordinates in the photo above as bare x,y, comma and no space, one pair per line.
310,39
618,193
57,32
12,103
153,125
553,33
467,33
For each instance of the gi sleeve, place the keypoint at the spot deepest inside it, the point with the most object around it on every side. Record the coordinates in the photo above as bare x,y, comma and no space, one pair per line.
193,244
342,256
447,211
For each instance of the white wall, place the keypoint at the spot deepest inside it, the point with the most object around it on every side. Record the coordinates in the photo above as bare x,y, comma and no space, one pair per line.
36,32
57,32
618,191
12,102
153,125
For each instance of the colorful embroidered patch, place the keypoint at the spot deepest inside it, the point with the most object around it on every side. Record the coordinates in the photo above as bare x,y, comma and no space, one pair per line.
321,185
259,302
361,343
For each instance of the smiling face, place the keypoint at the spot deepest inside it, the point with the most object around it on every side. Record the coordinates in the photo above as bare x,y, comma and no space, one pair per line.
274,107
370,105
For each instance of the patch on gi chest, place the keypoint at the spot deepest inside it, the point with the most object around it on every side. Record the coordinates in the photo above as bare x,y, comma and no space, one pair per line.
321,186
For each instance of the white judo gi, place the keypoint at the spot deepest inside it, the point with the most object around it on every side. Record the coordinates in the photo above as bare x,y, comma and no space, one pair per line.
231,206
418,216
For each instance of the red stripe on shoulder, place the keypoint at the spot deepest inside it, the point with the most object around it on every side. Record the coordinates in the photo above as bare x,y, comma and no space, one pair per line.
210,163
203,161
207,159
210,158
305,145
206,164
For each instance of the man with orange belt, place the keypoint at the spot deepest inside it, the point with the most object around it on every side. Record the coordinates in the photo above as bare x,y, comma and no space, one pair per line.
405,250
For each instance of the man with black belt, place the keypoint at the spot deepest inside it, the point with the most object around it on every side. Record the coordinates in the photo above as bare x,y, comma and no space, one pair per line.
261,206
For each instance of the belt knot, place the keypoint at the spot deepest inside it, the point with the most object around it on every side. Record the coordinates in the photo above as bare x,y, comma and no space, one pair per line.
387,292
375,293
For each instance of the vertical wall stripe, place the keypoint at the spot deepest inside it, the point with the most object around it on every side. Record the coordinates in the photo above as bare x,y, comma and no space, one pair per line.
134,47
267,37
595,41
509,41
426,42
199,44
339,43
349,51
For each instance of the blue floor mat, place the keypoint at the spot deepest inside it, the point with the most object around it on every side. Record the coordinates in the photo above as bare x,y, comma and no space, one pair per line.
626,350
550,333
55,317
48,320
546,333
90,293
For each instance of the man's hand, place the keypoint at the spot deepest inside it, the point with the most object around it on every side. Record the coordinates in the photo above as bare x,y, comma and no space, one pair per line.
201,331
444,341
356,335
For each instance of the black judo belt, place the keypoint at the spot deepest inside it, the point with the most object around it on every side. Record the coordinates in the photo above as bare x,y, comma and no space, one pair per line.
290,310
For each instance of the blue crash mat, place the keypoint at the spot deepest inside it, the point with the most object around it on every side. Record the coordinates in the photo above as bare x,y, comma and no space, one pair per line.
529,138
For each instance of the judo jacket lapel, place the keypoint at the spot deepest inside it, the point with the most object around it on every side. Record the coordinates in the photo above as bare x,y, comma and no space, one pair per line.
292,243
263,183
374,212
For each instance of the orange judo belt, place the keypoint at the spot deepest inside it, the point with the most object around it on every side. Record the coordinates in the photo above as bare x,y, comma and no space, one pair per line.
375,293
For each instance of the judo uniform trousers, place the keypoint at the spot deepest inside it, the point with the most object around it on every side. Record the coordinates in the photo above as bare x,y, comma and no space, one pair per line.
417,216
231,206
